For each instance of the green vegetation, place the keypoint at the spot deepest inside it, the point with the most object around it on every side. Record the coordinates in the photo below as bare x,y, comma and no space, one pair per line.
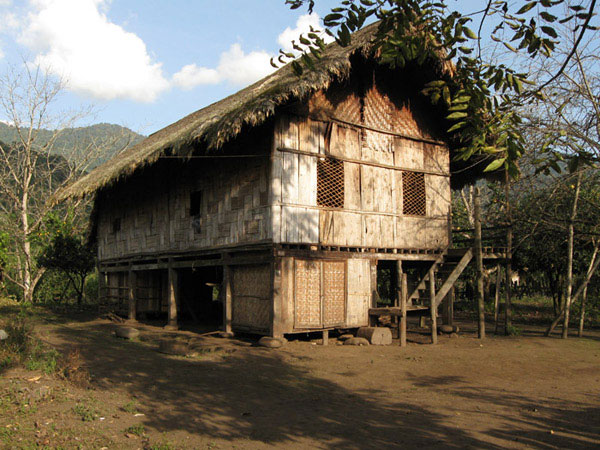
138,430
86,412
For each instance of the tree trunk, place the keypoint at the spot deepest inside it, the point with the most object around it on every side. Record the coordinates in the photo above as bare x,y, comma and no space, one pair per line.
570,245
509,239
584,295
479,264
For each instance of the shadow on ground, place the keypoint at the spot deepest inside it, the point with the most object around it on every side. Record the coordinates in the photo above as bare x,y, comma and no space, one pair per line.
257,396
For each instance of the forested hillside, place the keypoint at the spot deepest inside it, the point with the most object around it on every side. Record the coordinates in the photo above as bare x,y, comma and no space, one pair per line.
112,137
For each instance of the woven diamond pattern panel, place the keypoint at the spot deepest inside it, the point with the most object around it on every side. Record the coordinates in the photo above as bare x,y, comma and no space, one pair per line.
330,183
413,193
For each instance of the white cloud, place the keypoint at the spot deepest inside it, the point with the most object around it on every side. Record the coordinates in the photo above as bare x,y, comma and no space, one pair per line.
303,25
241,68
74,39
235,67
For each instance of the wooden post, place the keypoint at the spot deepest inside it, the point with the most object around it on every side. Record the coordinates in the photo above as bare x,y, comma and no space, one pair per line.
132,295
403,312
227,294
172,296
479,265
398,284
374,293
509,238
325,337
433,307
102,290
497,297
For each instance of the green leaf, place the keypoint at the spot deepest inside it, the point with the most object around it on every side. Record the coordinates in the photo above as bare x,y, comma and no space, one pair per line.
495,165
550,31
526,7
446,95
470,33
457,126
457,115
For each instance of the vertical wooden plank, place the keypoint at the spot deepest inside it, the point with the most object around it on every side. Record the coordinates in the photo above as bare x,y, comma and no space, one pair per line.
352,186
172,296
398,286
277,319
289,178
374,293
132,295
307,180
367,187
433,309
227,299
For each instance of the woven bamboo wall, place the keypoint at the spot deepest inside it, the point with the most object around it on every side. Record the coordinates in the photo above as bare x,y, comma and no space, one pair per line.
373,213
154,213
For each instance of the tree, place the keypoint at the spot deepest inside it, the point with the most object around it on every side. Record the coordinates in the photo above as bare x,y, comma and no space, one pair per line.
34,168
482,95
69,255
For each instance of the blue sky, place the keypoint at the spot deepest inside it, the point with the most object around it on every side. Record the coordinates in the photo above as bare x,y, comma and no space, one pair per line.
145,64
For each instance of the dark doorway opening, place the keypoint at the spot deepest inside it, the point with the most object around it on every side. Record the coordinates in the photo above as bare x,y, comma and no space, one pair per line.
387,282
200,299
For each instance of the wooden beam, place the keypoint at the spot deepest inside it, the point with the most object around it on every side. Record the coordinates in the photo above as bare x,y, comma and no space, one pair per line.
398,283
363,162
433,306
227,298
497,297
458,270
172,297
448,308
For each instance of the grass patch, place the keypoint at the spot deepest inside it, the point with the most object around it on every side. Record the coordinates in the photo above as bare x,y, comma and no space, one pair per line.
130,407
85,412
138,430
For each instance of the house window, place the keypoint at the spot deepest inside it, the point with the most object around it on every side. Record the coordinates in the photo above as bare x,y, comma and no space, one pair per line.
116,225
330,183
413,193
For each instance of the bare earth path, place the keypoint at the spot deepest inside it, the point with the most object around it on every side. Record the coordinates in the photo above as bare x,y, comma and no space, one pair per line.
524,392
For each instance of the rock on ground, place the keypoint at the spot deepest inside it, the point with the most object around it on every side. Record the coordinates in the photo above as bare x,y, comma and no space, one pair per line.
270,342
447,329
173,347
127,332
3,335
356,341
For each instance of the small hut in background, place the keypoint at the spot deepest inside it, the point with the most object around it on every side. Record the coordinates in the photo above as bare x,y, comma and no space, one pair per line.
282,208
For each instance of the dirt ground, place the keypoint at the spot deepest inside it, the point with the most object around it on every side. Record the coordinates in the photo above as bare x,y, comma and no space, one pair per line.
505,392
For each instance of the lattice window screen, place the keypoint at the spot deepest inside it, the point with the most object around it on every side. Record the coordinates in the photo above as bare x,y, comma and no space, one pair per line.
330,183
413,193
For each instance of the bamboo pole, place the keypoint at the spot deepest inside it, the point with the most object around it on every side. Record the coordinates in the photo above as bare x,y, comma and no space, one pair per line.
479,264
584,295
433,308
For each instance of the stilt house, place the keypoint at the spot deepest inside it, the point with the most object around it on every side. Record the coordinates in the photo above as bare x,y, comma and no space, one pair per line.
281,208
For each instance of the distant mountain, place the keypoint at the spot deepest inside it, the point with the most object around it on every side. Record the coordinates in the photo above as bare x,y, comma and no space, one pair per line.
105,139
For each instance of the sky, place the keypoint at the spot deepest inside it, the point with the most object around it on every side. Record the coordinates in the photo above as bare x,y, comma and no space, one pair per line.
145,64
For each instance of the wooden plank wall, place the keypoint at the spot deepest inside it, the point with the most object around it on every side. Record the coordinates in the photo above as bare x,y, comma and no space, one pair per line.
155,214
372,214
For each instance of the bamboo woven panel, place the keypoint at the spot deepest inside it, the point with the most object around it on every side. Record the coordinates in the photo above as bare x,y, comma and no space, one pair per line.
252,296
330,183
308,293
334,293
414,202
378,113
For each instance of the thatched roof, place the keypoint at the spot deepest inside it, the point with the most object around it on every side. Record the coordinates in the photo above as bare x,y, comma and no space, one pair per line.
222,121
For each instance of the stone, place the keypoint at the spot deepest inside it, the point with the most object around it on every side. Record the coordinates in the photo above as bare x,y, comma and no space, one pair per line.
269,342
447,329
356,341
282,340
173,347
376,335
3,335
345,337
127,332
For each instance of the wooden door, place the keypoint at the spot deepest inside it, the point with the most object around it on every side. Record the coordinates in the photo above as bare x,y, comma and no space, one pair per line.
320,293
